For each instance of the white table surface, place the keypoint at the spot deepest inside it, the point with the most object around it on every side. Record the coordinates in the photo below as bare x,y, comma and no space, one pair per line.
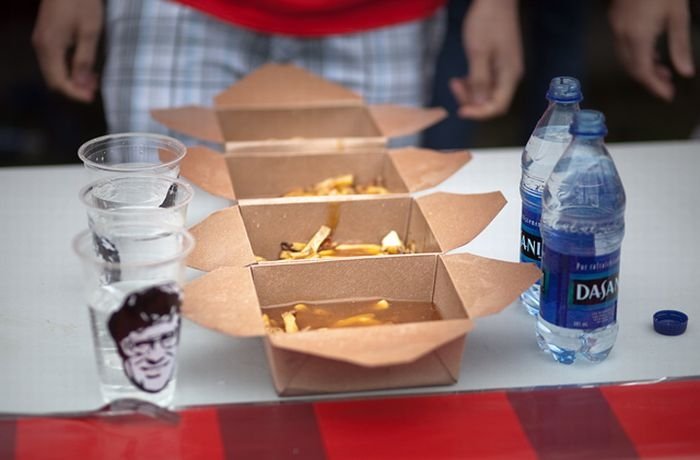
46,356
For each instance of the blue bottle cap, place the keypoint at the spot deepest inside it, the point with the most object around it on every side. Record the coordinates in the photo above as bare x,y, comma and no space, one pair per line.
670,322
588,123
564,89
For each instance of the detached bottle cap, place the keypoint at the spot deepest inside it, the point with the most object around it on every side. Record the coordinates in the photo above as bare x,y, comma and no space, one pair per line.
670,322
588,123
564,89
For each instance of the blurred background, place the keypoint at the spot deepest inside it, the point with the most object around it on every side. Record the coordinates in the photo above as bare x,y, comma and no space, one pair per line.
560,36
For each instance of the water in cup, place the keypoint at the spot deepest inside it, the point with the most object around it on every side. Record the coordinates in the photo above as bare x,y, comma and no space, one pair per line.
114,200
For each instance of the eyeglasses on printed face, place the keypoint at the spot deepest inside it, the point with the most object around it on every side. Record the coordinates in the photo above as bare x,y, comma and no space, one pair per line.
166,340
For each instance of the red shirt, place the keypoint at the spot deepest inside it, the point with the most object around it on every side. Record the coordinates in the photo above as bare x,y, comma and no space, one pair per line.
316,17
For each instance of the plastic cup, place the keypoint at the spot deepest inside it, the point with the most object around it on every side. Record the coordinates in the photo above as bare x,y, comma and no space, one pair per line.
115,200
132,153
133,289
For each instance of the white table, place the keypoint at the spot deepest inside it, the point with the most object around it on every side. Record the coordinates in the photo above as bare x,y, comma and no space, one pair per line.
46,357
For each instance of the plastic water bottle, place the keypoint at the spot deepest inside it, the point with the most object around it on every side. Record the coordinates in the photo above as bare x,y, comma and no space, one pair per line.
546,144
583,223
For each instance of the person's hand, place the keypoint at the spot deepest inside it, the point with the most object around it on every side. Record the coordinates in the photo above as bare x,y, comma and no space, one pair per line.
65,37
491,36
637,24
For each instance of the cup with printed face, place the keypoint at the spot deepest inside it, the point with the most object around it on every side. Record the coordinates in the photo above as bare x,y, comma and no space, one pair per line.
132,153
133,289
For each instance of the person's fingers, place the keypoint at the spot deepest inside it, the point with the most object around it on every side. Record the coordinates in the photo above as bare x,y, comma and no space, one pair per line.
478,112
508,73
82,75
480,76
458,86
460,90
624,54
679,42
474,93
51,56
641,65
467,107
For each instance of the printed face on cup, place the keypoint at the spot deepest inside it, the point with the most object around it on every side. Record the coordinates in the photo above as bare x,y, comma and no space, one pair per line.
146,329
150,353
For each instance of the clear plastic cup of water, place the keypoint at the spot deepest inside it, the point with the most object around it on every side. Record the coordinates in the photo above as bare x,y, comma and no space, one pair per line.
121,199
133,290
132,153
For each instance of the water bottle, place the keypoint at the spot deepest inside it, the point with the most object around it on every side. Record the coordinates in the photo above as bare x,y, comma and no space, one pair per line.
546,144
583,207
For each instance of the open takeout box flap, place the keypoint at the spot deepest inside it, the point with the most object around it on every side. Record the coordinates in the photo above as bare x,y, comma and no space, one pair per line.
373,346
208,170
456,219
221,240
486,286
284,85
397,120
423,168
410,169
225,300
270,176
192,120
294,94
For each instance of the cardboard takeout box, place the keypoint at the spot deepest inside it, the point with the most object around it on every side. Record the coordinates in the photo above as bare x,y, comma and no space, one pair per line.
284,108
434,223
244,176
463,287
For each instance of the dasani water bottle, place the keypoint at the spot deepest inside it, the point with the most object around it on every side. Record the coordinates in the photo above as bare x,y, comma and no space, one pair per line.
582,226
546,144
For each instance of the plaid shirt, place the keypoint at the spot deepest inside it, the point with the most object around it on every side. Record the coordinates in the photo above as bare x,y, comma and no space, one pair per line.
162,54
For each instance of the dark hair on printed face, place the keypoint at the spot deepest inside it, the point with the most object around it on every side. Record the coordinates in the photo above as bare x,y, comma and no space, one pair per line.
142,309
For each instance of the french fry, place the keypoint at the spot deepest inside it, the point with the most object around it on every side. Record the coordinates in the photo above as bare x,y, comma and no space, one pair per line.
321,246
334,183
296,192
295,246
316,240
309,250
371,190
338,185
290,322
357,250
270,325
365,319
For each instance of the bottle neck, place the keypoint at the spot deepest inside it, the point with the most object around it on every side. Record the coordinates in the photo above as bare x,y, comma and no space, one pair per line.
559,113
563,104
588,140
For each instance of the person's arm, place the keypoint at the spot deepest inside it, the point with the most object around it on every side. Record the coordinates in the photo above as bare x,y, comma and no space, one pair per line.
636,25
65,37
492,41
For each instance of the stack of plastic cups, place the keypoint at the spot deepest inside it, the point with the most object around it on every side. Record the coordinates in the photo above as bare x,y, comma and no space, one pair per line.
133,255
